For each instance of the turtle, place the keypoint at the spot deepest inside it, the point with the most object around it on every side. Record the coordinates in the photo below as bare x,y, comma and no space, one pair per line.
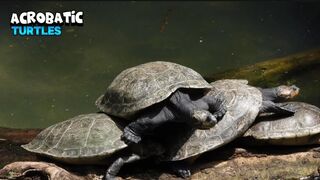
96,138
150,94
303,128
243,103
86,139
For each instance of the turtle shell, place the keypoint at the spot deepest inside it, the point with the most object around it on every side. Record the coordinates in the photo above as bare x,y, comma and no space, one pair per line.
141,86
300,129
242,103
82,139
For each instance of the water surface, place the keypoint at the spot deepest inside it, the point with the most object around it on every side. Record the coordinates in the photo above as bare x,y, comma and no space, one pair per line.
48,79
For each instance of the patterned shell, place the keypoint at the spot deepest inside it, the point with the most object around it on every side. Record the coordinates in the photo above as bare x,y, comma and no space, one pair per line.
300,129
242,102
144,85
81,139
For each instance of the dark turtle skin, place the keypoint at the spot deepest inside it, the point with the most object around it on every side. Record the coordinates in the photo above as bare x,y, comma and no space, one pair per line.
157,92
302,128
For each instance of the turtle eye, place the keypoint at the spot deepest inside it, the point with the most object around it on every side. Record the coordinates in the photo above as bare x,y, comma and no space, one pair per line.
296,90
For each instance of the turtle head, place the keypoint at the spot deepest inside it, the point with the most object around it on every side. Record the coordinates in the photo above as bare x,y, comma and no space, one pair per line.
284,92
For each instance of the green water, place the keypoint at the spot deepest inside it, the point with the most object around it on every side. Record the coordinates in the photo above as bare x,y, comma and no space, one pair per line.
48,79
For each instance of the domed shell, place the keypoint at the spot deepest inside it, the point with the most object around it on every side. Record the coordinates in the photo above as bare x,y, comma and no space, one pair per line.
242,103
144,85
300,129
82,139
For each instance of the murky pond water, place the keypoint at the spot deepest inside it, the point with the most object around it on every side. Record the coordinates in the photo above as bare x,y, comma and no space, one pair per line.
48,79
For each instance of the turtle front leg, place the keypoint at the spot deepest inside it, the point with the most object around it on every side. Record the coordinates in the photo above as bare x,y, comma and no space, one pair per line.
216,105
208,119
194,112
145,149
203,119
181,170
129,135
269,106
115,167
147,122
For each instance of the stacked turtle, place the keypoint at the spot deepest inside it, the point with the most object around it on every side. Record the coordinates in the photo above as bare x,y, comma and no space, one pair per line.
302,128
153,93
144,99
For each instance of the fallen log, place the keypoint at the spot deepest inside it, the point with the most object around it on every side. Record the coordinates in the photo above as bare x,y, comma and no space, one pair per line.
239,163
225,163
18,136
273,72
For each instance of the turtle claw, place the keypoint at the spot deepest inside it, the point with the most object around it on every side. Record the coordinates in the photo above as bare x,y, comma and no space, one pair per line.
184,173
129,136
110,176
220,113
212,119
205,119
180,169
